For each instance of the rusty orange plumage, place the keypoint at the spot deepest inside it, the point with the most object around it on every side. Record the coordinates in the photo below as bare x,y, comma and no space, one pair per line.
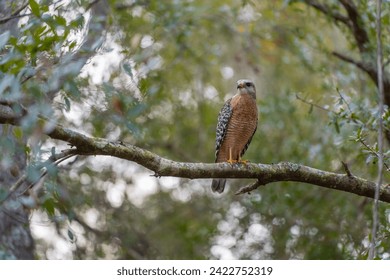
237,123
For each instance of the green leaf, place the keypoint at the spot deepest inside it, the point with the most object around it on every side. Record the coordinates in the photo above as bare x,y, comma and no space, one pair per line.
18,132
127,68
67,103
53,151
336,126
4,38
71,236
136,110
60,20
311,109
34,8
49,206
3,194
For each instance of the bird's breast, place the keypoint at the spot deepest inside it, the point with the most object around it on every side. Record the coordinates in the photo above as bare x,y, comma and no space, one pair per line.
242,125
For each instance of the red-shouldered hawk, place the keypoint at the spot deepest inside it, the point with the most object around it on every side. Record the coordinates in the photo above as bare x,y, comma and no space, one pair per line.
237,123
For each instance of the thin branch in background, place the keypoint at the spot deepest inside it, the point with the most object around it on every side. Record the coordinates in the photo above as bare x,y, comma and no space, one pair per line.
375,223
357,25
338,17
314,104
364,66
249,188
64,156
326,109
55,159
15,14
344,100
361,141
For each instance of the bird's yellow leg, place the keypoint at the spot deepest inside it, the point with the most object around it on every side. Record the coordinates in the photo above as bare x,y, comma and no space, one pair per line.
230,160
243,161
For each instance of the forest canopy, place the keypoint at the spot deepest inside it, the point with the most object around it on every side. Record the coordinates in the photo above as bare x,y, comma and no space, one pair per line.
108,111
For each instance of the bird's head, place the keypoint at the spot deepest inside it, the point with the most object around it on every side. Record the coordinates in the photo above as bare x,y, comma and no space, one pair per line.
246,86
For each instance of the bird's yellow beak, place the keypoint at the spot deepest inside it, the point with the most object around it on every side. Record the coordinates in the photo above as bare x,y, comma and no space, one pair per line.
240,86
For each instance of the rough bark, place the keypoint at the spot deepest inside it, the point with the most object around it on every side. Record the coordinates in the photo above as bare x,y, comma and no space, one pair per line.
16,241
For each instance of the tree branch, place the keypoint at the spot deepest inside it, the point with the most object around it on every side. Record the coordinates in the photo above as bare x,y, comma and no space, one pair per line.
357,25
329,12
366,67
15,14
353,21
264,173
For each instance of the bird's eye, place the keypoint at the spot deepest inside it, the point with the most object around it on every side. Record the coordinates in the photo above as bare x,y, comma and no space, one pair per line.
248,84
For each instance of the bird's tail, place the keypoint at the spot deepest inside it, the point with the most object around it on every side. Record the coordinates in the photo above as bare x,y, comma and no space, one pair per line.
218,185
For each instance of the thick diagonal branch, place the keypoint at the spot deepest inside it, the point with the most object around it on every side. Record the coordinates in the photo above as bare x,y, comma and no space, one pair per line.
336,16
369,68
264,173
353,20
357,25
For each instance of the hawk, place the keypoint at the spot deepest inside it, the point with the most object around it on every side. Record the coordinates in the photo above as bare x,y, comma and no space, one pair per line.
237,123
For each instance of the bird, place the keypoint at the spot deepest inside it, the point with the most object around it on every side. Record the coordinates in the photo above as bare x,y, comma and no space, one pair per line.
237,123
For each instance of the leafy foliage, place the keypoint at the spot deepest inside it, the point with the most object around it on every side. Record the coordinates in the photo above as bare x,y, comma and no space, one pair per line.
158,81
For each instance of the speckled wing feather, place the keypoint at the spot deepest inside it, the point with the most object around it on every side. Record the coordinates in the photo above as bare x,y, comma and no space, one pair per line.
223,121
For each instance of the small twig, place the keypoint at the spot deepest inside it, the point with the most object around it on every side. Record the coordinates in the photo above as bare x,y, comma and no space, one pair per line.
357,25
364,66
15,14
89,6
331,111
373,152
55,159
346,169
329,12
60,157
66,155
85,225
345,101
249,188
313,104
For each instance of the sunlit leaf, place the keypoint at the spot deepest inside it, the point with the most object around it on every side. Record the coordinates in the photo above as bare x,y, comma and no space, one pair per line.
128,70
4,38
67,103
49,206
18,132
34,7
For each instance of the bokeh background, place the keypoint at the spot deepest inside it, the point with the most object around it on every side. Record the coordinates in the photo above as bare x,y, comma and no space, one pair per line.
158,81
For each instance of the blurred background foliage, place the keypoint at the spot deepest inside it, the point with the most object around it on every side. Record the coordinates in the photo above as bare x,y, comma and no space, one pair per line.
158,82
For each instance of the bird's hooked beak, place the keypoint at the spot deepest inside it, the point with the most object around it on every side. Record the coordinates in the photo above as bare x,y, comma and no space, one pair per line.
240,85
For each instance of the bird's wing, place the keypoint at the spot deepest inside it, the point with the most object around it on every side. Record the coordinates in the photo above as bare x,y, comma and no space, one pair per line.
223,121
247,144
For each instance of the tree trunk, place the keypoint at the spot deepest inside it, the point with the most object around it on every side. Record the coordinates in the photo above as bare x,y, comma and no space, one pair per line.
16,241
